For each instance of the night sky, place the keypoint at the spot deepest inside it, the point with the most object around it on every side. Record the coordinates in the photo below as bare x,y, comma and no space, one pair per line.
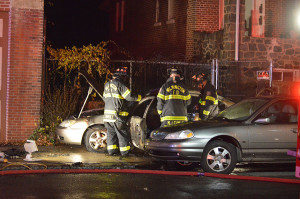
75,23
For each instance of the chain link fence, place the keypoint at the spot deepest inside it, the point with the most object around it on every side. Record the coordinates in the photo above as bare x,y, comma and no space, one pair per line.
238,79
235,80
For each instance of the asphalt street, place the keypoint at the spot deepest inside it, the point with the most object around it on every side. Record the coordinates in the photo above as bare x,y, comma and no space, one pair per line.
119,186
132,185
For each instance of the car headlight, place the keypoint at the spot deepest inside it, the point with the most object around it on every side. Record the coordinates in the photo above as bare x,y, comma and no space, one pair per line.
179,135
157,135
74,124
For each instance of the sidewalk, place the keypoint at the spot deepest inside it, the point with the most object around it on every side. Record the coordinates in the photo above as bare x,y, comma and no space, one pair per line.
67,156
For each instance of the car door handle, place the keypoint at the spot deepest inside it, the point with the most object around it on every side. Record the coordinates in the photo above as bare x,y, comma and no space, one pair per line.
294,130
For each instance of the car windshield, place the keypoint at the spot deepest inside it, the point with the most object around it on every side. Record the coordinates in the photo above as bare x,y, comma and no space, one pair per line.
242,110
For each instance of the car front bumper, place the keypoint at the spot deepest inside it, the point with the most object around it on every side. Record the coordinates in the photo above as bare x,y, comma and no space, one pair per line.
183,150
69,135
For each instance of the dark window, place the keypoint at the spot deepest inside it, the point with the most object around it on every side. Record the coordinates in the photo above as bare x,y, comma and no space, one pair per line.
140,109
281,112
288,76
283,76
152,118
277,76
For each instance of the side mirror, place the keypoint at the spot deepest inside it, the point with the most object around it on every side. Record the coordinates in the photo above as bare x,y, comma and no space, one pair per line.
262,121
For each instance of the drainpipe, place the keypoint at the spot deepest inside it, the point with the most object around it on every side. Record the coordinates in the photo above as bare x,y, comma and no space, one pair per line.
237,30
217,73
271,74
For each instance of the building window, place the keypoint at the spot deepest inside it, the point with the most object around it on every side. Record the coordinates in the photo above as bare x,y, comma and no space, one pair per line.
285,75
171,6
157,14
120,13
255,18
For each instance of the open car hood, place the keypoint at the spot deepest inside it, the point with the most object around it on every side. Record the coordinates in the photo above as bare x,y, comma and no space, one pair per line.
93,85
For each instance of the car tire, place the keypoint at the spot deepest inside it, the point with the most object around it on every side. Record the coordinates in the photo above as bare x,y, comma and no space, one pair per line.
219,157
95,139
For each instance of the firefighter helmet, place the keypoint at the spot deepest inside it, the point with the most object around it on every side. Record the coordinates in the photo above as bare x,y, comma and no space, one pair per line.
120,71
200,77
174,70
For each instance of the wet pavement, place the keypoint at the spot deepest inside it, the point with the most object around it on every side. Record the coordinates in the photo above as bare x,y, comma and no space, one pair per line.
133,184
127,185
77,157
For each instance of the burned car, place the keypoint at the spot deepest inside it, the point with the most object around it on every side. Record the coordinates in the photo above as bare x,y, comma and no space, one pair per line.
260,129
88,128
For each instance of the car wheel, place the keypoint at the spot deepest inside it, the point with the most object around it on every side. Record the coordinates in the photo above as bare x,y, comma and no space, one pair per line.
95,139
219,157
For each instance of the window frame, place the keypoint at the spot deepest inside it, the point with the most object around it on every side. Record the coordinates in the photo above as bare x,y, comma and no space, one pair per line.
157,13
171,8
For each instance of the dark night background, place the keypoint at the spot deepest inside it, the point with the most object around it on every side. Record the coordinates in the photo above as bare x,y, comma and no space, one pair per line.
75,23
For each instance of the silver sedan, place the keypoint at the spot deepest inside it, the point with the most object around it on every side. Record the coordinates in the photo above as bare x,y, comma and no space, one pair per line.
253,130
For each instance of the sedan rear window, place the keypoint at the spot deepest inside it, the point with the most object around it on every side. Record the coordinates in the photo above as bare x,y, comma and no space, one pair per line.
242,110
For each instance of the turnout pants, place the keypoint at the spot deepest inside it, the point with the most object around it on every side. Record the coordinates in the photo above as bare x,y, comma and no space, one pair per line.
117,138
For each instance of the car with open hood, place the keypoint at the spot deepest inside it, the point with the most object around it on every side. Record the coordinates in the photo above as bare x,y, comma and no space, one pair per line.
261,129
88,127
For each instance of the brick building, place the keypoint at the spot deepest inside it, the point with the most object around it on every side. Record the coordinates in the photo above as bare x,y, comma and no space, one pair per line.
203,30
162,29
21,53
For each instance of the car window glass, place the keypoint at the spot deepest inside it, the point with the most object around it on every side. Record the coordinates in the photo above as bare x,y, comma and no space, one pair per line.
242,110
140,109
281,112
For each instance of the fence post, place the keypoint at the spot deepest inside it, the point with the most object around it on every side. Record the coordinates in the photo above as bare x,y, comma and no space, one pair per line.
213,73
130,76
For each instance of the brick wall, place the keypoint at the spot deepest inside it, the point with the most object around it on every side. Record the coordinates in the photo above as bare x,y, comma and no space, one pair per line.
24,72
280,48
4,5
279,17
207,15
167,41
254,53
143,39
202,17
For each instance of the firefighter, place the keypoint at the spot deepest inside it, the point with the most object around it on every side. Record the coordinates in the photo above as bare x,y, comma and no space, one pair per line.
208,96
115,115
172,100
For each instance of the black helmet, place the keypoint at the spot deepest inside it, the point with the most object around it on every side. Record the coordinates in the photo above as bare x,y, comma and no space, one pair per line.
174,70
120,72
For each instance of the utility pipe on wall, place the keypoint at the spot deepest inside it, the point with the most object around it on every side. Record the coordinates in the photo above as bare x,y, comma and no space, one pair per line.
237,30
213,72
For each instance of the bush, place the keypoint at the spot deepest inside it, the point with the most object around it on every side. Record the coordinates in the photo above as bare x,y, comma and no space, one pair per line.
57,105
